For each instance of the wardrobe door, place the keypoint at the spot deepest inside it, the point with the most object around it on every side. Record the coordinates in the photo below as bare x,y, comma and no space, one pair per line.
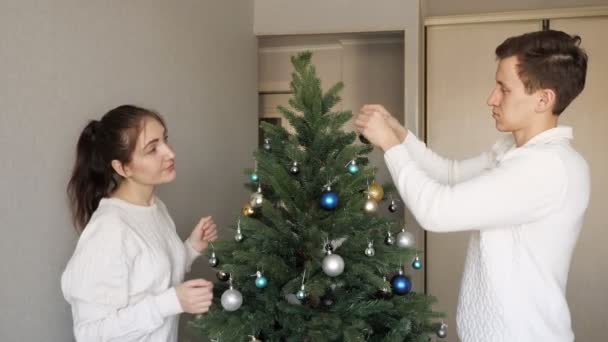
588,115
460,76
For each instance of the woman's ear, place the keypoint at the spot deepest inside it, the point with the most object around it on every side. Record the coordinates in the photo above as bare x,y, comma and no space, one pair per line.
121,169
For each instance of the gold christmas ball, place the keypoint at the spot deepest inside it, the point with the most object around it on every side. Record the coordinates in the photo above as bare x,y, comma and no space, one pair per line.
376,192
247,210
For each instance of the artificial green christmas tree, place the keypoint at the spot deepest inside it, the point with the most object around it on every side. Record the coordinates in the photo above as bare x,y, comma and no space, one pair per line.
312,259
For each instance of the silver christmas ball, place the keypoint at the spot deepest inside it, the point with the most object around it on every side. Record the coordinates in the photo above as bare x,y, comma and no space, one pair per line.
405,239
333,265
370,206
442,332
386,291
370,251
389,240
257,199
295,169
213,260
232,300
392,207
267,147
238,237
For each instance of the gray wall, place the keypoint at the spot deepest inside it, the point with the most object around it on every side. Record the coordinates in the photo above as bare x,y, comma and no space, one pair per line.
451,7
63,62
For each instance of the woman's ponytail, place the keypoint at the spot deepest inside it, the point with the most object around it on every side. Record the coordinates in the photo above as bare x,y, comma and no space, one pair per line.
112,138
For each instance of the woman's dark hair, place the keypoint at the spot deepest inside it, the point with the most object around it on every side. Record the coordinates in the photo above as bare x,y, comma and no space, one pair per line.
112,138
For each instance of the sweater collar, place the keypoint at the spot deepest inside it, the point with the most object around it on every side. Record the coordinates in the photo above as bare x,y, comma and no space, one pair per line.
551,135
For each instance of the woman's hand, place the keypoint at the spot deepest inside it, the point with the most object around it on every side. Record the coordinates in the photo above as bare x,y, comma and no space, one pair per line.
204,232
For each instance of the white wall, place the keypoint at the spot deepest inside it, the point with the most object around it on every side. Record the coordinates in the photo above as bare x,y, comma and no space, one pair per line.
451,7
63,62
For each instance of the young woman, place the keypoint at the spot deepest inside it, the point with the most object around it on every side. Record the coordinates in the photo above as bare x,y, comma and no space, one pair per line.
125,278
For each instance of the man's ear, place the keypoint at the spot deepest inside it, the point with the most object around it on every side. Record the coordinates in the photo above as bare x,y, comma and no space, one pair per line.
546,100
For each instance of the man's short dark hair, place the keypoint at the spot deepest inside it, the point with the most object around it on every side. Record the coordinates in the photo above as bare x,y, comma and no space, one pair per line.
548,60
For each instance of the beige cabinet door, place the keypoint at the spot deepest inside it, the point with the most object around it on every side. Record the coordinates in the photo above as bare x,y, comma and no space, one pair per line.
460,75
588,115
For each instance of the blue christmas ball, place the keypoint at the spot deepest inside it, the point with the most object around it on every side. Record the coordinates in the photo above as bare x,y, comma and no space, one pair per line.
261,282
329,200
417,263
401,284
254,177
353,168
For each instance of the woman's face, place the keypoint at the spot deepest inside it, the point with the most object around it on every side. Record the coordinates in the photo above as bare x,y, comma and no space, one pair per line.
153,160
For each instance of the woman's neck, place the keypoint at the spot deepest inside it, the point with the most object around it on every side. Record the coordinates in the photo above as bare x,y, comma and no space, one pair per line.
135,193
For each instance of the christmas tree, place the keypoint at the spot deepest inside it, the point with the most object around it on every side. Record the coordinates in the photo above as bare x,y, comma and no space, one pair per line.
312,259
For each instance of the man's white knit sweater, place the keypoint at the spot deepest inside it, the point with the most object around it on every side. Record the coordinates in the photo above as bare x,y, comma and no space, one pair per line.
525,206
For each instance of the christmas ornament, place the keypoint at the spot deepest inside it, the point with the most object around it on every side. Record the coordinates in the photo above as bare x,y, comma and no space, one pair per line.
222,276
376,191
329,247
442,330
301,294
329,199
254,177
370,251
417,263
295,169
266,145
352,167
254,339
239,235
213,260
260,281
389,240
257,199
363,139
393,206
385,290
231,299
401,284
405,239
247,210
370,205
333,264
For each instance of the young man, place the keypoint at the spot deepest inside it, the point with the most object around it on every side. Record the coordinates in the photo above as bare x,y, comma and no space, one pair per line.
524,200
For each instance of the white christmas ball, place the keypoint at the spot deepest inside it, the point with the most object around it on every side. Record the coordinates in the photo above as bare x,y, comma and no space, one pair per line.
333,265
232,300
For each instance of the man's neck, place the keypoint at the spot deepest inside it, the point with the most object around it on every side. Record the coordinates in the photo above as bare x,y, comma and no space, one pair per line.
522,136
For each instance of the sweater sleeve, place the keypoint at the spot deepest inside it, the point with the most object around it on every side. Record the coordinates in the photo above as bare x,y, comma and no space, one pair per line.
96,284
191,254
443,170
525,187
